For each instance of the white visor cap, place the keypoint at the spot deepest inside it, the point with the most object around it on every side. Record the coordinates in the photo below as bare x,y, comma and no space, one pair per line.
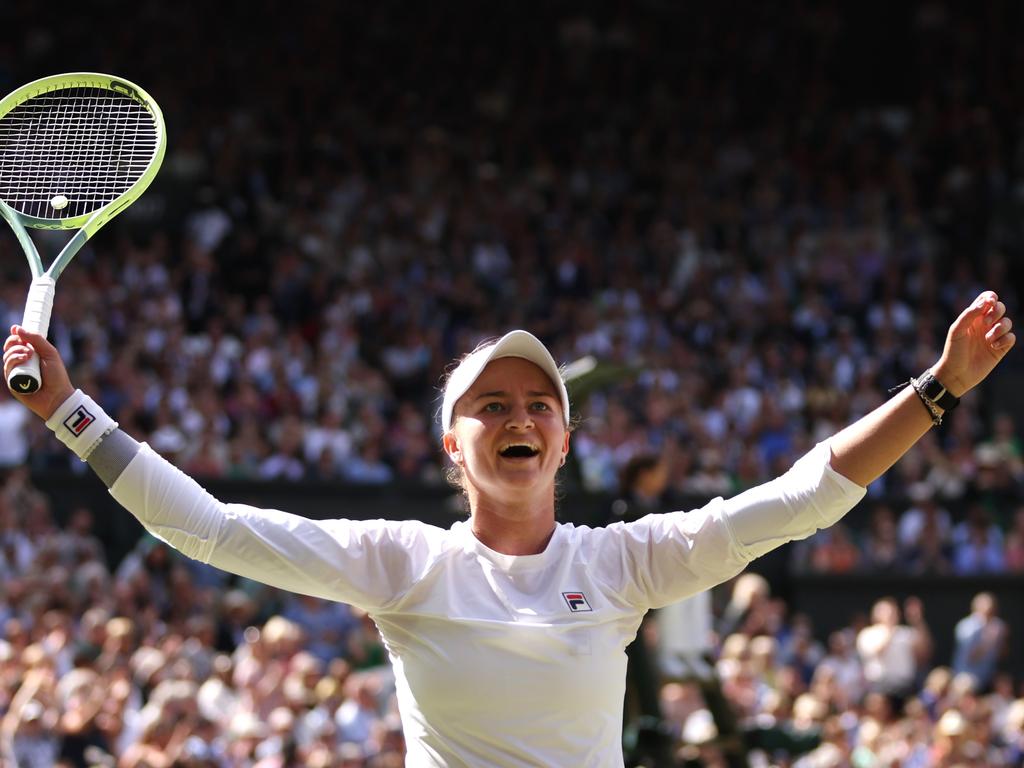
513,344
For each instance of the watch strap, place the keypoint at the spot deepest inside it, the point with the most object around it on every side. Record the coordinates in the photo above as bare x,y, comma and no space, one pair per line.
931,388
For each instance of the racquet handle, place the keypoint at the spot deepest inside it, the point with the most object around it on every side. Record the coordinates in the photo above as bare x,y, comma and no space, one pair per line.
26,379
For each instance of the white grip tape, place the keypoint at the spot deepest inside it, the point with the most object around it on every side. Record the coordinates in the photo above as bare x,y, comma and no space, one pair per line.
39,305
26,377
80,424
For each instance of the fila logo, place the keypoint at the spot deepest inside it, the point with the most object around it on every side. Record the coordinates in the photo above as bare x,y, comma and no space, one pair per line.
79,420
576,601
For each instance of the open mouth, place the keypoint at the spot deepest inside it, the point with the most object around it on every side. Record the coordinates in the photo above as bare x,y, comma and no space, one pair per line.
519,452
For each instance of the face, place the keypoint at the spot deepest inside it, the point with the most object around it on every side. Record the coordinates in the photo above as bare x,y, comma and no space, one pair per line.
508,433
886,612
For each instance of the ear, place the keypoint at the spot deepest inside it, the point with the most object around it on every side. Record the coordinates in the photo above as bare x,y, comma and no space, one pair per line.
452,447
565,447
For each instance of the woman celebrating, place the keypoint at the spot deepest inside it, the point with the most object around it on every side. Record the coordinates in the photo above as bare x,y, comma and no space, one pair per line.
507,631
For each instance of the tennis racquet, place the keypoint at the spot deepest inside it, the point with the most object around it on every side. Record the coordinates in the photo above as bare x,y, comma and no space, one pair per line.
75,150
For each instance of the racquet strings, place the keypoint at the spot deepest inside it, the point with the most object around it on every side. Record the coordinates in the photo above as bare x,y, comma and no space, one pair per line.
87,144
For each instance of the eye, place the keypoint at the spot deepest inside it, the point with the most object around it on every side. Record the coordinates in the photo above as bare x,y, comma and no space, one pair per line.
493,407
540,406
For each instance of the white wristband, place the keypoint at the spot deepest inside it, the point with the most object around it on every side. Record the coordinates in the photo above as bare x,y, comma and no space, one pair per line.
80,424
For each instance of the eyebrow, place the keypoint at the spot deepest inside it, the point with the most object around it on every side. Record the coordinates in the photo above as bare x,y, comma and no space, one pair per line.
502,393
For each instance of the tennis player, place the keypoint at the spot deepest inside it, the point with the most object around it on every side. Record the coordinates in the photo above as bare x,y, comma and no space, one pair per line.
507,630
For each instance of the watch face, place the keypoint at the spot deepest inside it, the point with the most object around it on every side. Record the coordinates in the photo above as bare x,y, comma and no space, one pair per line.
932,388
938,394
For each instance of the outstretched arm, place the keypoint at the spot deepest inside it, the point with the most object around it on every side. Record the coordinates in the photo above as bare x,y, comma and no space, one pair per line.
109,450
366,563
977,340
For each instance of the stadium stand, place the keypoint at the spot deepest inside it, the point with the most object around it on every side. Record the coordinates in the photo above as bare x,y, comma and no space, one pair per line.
756,218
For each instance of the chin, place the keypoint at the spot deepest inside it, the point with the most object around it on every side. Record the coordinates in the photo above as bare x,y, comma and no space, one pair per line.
526,480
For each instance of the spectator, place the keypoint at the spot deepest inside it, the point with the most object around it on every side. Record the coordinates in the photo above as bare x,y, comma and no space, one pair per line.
842,665
894,654
931,554
1013,733
285,461
799,649
359,711
327,437
993,484
1015,543
326,625
747,608
981,642
367,466
881,545
643,487
365,648
13,426
78,541
30,724
978,544
834,551
924,511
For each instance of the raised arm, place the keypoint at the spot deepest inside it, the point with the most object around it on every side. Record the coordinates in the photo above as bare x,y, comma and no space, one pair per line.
82,436
977,340
368,563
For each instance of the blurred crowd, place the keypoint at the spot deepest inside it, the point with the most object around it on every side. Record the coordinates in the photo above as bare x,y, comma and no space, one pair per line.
744,229
871,695
756,253
161,662
924,539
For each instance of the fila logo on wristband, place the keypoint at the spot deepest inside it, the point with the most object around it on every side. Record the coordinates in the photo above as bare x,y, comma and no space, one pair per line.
576,601
80,424
79,420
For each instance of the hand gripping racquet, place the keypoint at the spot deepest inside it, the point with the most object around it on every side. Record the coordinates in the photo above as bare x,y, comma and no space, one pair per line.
75,150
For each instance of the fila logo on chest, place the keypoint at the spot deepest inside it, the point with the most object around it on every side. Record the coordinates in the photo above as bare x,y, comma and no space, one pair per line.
577,602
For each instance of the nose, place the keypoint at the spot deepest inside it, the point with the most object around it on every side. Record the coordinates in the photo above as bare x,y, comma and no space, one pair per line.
519,417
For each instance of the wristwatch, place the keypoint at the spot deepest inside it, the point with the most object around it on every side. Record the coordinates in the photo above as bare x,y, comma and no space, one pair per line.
931,388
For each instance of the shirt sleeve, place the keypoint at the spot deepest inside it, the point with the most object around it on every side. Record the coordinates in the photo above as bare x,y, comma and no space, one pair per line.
369,563
663,558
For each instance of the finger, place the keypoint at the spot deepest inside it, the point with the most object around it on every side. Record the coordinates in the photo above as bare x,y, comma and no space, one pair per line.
14,338
19,351
24,333
36,340
982,304
984,299
1000,329
996,312
11,341
13,361
1004,343
16,353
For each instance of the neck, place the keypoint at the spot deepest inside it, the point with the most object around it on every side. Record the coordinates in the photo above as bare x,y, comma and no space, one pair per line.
512,529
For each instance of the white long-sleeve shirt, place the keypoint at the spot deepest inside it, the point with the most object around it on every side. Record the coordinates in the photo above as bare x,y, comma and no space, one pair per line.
500,660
